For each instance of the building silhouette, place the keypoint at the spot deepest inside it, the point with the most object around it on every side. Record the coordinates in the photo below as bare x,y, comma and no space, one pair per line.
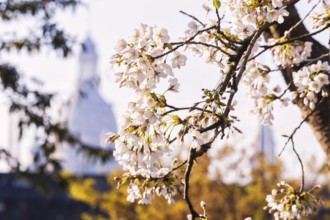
90,117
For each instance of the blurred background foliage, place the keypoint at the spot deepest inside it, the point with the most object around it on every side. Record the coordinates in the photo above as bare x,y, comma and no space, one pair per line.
31,104
224,201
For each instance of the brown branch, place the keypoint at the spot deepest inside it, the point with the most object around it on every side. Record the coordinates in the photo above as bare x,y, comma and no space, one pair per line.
320,120
301,20
249,50
219,19
301,165
183,43
193,17
175,109
310,61
212,46
186,197
228,44
245,49
267,47
295,130
206,45
174,169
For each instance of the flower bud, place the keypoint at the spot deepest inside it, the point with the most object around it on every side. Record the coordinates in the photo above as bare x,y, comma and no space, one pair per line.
203,204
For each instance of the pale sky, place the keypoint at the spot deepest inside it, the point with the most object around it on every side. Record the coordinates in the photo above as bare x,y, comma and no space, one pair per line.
106,21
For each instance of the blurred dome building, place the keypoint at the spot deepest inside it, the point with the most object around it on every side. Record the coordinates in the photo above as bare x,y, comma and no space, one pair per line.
89,116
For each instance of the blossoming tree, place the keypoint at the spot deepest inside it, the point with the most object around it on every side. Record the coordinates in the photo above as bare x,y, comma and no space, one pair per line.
233,40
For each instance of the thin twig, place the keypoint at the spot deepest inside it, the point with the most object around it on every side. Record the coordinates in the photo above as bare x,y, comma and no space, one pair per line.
229,39
219,19
228,44
183,43
175,109
301,20
267,47
206,45
212,46
310,61
285,91
205,147
298,127
276,70
301,165
175,168
290,139
193,17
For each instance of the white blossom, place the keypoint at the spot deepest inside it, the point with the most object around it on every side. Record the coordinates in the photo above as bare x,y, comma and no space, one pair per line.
322,18
310,80
291,53
257,80
174,85
178,60
287,204
121,45
160,35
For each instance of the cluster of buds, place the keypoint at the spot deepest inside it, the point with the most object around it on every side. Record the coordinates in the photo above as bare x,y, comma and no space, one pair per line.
285,203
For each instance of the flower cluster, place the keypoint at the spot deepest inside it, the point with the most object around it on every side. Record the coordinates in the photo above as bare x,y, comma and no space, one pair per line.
134,62
206,44
290,53
249,15
310,81
323,18
145,190
257,79
142,142
285,203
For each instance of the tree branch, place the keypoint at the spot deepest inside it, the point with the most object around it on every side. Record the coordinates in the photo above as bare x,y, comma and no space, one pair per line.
186,184
320,120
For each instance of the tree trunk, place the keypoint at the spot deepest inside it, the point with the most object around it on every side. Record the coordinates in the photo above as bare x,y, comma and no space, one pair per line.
320,119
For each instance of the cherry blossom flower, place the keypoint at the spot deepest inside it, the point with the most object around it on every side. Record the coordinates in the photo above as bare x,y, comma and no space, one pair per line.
310,80
121,45
160,35
257,79
277,15
178,60
174,85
